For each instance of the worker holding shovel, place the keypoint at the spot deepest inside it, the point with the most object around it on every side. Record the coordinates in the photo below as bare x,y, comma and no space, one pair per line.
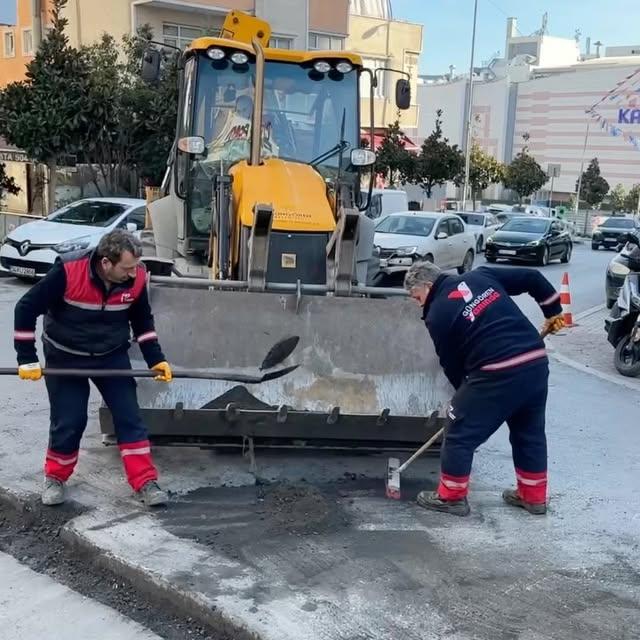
90,305
496,360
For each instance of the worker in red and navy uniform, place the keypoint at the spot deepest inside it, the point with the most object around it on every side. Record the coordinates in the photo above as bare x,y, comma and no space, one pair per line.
90,305
496,360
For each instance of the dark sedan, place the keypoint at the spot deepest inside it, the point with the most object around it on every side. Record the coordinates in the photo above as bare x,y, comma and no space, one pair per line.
608,234
530,239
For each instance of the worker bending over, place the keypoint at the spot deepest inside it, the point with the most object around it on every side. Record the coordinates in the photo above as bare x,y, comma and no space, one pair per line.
90,304
496,360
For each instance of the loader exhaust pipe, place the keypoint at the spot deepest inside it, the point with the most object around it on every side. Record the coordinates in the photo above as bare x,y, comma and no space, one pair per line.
256,123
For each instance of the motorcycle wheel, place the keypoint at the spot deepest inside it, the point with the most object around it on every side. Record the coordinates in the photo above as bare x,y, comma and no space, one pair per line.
626,359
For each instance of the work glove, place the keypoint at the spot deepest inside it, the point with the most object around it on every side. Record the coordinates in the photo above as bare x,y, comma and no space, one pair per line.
164,369
31,371
553,324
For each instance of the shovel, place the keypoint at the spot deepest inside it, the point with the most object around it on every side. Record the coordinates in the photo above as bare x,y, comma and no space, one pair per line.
279,352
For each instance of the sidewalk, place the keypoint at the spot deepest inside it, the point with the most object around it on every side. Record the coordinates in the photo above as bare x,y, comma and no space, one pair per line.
585,347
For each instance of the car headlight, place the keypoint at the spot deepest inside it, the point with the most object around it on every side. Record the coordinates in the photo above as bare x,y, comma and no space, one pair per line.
77,244
490,240
405,251
596,234
619,269
534,243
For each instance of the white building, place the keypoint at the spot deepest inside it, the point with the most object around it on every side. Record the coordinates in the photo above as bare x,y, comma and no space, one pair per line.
545,88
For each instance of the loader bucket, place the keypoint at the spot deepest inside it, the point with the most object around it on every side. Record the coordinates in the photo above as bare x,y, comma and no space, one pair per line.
368,377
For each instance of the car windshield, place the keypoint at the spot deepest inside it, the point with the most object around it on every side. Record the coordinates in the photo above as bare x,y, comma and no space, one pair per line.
618,223
472,218
526,225
406,225
94,214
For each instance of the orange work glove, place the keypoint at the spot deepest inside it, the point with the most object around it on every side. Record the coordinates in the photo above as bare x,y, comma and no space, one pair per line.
164,369
553,324
31,371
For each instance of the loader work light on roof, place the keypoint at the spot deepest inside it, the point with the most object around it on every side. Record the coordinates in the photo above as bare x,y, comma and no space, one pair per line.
322,67
344,67
216,54
239,58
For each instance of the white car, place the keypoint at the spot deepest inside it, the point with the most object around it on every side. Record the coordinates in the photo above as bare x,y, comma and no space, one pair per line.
483,225
31,249
408,236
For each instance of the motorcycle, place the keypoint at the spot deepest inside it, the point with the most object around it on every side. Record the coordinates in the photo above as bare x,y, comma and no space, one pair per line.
623,324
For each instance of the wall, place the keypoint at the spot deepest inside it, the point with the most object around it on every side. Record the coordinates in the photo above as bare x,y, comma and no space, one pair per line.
329,16
210,22
287,18
555,52
13,68
396,45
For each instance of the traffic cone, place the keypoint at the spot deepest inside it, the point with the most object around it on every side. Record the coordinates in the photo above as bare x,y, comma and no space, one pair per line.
565,301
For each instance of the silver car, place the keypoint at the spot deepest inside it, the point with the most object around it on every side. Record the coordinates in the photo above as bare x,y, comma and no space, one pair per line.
407,236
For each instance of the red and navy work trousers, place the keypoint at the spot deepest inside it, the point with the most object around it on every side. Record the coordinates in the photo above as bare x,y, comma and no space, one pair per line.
517,396
69,397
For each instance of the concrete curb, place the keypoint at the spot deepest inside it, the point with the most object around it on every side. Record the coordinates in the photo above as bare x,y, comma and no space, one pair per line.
156,589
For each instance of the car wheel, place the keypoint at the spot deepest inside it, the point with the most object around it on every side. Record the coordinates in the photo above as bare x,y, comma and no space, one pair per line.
479,244
627,358
567,255
595,246
467,264
544,259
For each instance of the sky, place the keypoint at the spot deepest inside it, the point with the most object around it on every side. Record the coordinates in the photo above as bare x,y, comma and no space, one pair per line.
447,25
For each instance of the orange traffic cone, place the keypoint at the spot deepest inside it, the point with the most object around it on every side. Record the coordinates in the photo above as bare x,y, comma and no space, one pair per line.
565,301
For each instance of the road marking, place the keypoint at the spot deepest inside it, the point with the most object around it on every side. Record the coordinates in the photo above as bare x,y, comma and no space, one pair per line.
619,380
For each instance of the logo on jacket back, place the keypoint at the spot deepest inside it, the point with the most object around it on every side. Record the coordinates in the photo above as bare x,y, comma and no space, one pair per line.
475,306
461,293
127,297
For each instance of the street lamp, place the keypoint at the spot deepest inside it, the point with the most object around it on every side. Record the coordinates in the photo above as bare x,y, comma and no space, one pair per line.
467,157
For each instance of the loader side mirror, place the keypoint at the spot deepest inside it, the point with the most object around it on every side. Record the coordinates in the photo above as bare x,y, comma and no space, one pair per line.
151,60
403,94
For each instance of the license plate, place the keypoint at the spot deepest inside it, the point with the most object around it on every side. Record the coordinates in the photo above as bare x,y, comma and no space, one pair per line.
507,252
23,271
611,240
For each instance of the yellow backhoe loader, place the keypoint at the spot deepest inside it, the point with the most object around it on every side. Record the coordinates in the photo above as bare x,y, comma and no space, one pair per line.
262,233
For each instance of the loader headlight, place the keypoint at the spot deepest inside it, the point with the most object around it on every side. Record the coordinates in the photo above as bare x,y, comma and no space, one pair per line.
239,58
216,54
344,67
619,269
322,66
405,251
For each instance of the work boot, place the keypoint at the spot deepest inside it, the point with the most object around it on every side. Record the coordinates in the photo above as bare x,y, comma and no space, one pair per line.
52,492
431,500
512,497
152,495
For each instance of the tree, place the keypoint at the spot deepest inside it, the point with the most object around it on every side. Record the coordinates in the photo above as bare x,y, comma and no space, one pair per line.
392,159
46,114
438,161
484,170
594,187
618,198
524,175
632,199
7,183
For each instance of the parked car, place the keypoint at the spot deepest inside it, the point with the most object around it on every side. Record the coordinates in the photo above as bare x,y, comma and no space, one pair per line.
530,239
483,225
617,271
405,237
31,249
609,232
385,201
504,216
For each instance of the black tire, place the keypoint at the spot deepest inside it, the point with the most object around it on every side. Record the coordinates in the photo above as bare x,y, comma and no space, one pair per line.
610,303
628,369
467,263
567,254
479,245
490,259
544,259
595,246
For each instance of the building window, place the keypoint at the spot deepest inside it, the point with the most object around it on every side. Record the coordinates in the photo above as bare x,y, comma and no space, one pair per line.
9,44
324,42
280,42
27,42
373,64
180,35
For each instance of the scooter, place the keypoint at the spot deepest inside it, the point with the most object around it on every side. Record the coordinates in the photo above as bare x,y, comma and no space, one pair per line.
623,324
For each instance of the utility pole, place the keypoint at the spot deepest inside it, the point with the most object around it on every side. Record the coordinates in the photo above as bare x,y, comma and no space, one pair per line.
584,149
467,157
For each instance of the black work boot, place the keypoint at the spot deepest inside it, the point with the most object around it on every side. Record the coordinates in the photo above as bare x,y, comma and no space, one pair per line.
431,500
512,497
